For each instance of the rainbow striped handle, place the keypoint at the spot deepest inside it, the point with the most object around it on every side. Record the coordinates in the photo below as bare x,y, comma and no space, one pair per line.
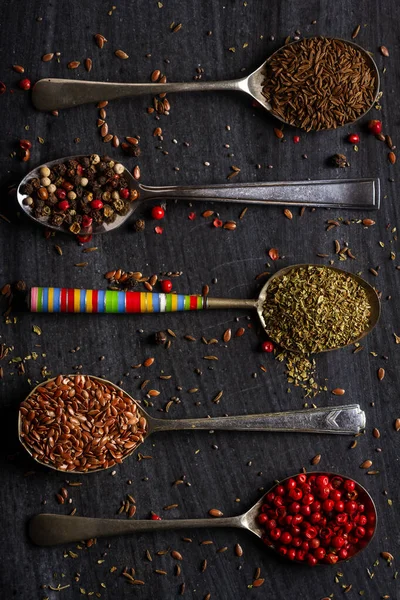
65,300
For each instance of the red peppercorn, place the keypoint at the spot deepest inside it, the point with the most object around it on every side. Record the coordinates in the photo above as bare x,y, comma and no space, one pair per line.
343,553
349,485
290,484
311,532
360,532
25,84
124,193
294,508
296,542
315,506
267,347
353,138
337,541
286,538
280,490
322,481
306,545
296,139
341,518
375,126
323,492
278,501
270,496
262,519
339,506
155,517
282,550
308,499
350,507
300,554
166,285
301,478
61,194
86,221
291,554
271,524
335,495
79,170
314,543
295,494
275,533
311,560
25,144
157,212
84,239
319,553
297,519
328,505
362,520
315,517
288,519
96,204
63,205
305,510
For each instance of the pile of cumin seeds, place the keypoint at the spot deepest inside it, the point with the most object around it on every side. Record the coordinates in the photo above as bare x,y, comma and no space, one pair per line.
319,83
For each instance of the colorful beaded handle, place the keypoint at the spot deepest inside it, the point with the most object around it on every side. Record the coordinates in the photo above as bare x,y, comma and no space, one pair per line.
65,300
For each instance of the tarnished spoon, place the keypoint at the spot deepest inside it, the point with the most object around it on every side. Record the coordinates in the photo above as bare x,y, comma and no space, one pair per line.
347,419
49,529
55,94
64,300
360,194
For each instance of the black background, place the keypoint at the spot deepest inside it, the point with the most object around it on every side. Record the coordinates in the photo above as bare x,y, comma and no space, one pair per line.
230,477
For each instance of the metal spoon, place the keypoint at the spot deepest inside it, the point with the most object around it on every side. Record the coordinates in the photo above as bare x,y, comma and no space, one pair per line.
55,94
363,194
61,300
49,529
347,420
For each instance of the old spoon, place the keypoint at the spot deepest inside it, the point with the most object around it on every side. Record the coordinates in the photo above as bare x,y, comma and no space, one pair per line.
346,420
55,94
363,194
50,529
62,300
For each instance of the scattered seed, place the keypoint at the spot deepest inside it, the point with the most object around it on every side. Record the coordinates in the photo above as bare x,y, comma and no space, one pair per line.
338,392
381,374
258,582
392,158
384,51
278,133
88,64
240,332
203,565
238,550
47,57
121,54
227,335
366,464
214,512
288,214
316,460
18,69
376,433
356,32
176,555
397,424
74,64
100,40
368,222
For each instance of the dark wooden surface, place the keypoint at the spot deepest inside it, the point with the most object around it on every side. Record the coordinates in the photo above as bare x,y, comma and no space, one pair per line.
224,470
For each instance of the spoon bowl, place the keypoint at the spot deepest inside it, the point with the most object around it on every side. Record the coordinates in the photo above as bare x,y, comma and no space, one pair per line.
346,419
360,194
55,94
50,529
372,296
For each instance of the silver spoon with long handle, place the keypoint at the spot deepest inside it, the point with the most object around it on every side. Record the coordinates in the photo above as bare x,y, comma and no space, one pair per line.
50,529
346,420
55,94
358,194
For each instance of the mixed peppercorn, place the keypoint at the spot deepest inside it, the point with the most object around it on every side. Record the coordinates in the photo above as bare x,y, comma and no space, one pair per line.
80,194
317,518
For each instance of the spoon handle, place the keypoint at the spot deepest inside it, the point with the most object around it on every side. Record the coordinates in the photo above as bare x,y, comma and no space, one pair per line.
70,300
330,193
348,419
47,529
55,94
